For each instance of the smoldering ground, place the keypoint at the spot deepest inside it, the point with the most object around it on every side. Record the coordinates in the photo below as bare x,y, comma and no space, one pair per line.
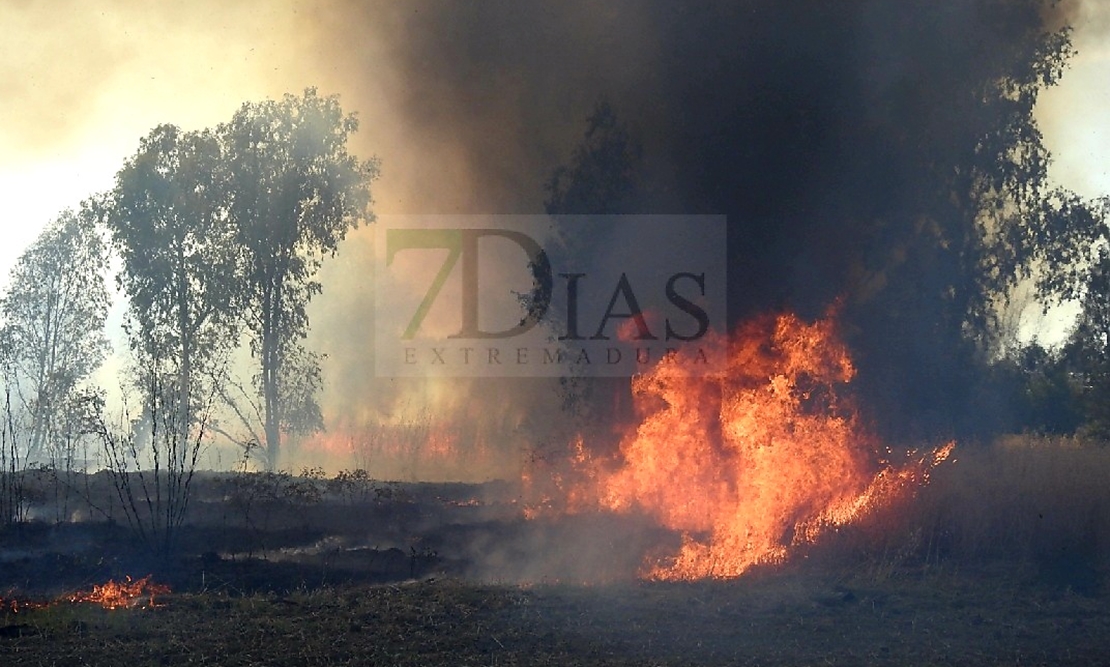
835,137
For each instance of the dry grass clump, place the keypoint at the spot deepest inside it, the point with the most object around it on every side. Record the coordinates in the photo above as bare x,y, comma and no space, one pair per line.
1029,498
1029,507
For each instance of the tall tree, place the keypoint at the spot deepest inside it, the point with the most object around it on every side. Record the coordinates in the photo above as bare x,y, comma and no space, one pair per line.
1088,349
180,264
602,175
294,192
53,333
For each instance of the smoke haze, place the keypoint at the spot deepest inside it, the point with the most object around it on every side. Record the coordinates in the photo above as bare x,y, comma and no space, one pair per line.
816,129
803,122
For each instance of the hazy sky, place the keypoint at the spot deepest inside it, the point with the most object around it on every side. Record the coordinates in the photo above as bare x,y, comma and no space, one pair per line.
80,83
1075,116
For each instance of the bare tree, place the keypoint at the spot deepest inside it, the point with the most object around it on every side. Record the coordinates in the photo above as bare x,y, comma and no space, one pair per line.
152,461
13,499
53,333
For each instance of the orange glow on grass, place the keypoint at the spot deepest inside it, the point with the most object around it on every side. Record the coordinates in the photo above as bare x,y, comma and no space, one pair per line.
403,448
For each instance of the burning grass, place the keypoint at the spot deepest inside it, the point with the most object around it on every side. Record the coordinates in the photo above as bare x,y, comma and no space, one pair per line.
126,594
1001,559
758,458
847,556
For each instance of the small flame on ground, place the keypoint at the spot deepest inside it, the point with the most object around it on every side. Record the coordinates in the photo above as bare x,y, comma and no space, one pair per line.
749,462
129,593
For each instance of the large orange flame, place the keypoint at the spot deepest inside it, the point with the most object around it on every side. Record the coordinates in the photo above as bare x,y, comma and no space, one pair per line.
752,460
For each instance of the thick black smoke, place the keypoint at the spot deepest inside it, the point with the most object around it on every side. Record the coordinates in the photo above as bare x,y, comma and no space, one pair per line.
840,138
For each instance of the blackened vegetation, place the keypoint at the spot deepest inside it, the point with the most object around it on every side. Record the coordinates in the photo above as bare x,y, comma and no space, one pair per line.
1029,511
878,154
771,621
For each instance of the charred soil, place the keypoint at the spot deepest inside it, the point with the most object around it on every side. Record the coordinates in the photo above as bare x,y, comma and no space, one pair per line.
785,618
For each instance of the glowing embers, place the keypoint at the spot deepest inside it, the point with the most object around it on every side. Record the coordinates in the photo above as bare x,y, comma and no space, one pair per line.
747,463
128,593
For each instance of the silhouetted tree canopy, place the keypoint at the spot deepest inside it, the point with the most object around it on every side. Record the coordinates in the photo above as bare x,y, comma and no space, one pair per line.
1088,351
180,265
602,175
883,155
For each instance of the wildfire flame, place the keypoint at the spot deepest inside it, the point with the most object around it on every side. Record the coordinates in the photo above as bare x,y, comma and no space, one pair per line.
751,461
111,595
128,593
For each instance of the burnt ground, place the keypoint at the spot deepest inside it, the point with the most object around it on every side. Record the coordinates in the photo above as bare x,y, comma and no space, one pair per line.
311,572
789,618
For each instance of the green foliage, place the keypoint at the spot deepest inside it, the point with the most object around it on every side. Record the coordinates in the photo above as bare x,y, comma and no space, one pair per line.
293,194
1043,390
180,265
1088,349
222,231
979,217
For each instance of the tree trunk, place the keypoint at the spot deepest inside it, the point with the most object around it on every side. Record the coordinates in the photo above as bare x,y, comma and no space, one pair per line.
271,368
185,372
